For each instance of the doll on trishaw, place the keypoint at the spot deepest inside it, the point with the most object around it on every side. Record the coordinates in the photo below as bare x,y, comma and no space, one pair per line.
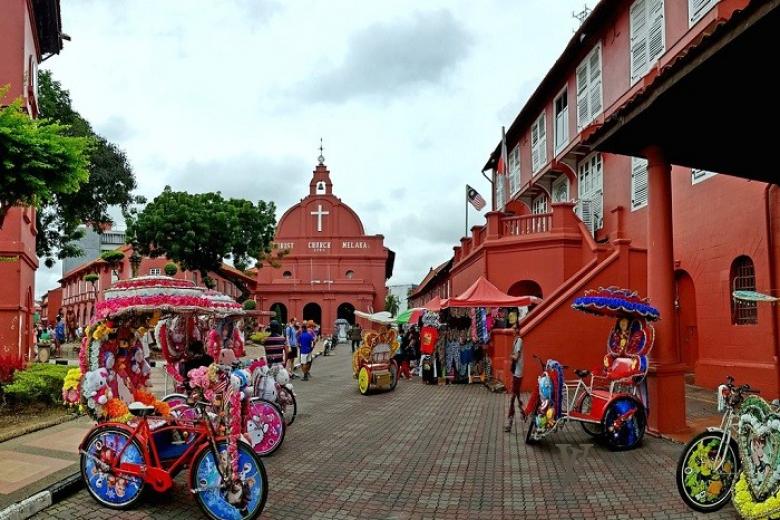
139,441
609,402
373,363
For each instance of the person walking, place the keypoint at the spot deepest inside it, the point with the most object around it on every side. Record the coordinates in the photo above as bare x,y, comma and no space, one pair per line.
517,379
59,336
306,346
275,345
355,336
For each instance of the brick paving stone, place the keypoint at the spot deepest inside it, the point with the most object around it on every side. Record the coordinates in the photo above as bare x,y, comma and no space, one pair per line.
425,452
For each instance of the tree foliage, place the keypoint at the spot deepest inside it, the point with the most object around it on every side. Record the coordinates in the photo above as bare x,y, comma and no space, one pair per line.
39,161
111,180
171,269
114,259
392,304
199,231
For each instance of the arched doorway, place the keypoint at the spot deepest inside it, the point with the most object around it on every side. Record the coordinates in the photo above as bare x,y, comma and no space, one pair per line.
346,311
312,311
281,312
525,288
687,327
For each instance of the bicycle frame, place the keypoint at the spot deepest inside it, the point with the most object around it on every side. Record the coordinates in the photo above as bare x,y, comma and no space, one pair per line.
726,429
157,472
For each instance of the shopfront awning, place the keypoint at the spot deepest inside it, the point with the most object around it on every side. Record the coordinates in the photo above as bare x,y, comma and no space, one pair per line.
712,107
482,293
434,304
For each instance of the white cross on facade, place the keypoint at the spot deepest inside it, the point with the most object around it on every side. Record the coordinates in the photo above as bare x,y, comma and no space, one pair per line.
319,214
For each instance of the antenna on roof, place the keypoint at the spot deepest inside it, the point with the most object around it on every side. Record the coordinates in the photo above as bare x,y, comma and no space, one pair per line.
582,15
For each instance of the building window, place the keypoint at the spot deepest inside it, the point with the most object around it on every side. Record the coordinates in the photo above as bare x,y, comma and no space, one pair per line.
561,121
698,8
514,170
539,204
591,192
287,274
350,274
539,143
589,99
500,192
638,183
743,278
155,271
700,175
648,40
560,189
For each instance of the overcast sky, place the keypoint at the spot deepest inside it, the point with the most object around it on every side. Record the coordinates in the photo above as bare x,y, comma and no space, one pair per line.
234,95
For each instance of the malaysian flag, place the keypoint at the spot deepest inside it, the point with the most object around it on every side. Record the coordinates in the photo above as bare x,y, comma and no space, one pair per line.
475,198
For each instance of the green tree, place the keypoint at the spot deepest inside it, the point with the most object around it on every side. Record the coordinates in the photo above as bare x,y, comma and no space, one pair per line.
39,161
392,304
171,269
111,180
199,231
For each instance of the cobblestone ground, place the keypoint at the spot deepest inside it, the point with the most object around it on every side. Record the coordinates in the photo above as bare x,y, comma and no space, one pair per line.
432,452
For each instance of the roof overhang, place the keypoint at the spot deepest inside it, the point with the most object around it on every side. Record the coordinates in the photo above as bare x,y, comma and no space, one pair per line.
714,106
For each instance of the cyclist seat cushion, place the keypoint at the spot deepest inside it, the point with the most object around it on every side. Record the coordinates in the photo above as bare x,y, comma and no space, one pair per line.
140,409
622,368
582,373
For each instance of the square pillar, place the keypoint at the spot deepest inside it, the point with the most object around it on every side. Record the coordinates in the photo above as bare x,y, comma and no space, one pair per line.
666,386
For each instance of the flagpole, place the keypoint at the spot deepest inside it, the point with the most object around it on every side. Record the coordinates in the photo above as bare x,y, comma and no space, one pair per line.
467,213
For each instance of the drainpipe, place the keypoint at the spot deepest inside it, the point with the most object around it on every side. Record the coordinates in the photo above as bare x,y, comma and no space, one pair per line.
772,272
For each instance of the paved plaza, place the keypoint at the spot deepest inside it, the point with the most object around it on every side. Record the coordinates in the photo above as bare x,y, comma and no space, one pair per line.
431,452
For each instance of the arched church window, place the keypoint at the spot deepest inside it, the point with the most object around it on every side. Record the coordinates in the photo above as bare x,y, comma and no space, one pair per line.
287,274
350,274
743,278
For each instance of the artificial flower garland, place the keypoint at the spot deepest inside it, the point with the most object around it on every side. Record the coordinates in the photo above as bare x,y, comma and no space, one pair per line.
748,507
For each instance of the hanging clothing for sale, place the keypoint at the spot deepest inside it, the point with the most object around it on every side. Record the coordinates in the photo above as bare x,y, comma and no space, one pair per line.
428,337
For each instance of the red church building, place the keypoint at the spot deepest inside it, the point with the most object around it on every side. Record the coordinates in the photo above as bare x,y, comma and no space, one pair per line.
332,266
30,31
569,217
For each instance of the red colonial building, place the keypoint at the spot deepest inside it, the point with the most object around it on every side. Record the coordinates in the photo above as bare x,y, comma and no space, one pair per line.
30,32
332,267
79,296
567,217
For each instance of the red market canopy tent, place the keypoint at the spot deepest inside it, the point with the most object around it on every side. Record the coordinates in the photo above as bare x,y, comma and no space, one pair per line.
434,304
482,293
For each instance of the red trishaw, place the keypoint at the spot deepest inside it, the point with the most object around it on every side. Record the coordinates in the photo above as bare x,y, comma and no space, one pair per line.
610,402
373,364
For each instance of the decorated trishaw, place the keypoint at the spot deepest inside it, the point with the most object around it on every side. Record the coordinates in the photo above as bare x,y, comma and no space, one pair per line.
610,401
372,363
218,330
138,440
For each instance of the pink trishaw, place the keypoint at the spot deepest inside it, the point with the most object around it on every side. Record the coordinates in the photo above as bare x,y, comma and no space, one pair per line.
610,402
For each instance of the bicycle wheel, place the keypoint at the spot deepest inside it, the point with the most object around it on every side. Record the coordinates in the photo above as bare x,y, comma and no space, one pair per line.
703,486
107,486
288,404
624,424
264,426
530,435
592,429
179,407
393,368
245,499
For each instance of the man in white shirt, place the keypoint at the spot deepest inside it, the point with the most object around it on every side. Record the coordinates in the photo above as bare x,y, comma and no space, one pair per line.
517,379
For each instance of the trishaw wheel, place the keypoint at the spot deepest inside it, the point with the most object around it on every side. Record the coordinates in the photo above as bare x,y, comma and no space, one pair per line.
111,488
592,429
702,486
250,492
264,427
624,424
364,380
288,405
393,374
530,435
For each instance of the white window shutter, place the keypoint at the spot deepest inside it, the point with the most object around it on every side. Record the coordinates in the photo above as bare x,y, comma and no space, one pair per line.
595,82
697,9
534,147
656,38
639,31
542,140
638,182
583,107
585,212
597,209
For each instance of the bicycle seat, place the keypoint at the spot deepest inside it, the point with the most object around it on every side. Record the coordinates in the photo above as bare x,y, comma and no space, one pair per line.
582,373
140,409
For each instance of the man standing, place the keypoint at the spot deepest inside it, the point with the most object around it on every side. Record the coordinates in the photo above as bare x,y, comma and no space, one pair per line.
517,378
59,335
292,342
356,336
306,345
275,345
